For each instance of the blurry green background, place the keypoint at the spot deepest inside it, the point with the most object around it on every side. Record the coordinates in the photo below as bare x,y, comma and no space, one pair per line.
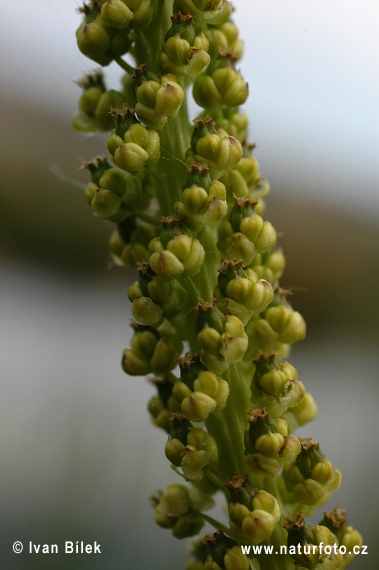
80,457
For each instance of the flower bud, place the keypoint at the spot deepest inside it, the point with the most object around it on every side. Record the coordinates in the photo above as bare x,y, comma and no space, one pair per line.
275,385
150,352
211,144
96,39
246,234
269,265
222,339
224,37
174,253
287,323
311,478
221,85
129,243
116,14
200,393
190,448
225,554
203,200
158,99
163,405
173,510
184,52
94,105
205,11
131,145
252,514
267,445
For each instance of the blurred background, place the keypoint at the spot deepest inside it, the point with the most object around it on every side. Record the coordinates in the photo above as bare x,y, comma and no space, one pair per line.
80,458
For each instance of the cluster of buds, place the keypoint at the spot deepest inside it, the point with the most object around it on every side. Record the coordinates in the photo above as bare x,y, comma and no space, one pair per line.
158,98
184,50
221,85
205,11
245,233
121,14
199,391
245,180
253,515
226,554
231,121
113,195
224,37
96,38
94,105
153,298
132,145
203,201
330,545
174,509
269,265
129,243
311,478
275,386
173,252
240,292
276,328
222,338
151,351
163,405
348,537
304,412
268,446
190,448
212,144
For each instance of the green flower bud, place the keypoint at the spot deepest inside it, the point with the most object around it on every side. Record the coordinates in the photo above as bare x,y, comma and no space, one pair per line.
200,393
269,265
225,554
211,144
245,294
287,323
184,51
149,353
224,37
97,40
311,478
307,545
190,448
178,255
222,339
252,514
158,99
275,385
131,145
203,200
129,243
267,445
221,85
205,11
246,234
116,14
231,121
304,412
162,406
94,105
173,510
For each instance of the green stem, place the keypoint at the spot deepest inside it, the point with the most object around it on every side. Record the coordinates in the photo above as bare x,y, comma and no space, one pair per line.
213,522
124,65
